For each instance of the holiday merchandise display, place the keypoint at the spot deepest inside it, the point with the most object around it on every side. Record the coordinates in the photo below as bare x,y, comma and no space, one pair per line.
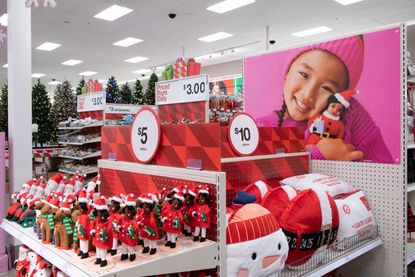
129,230
78,153
101,237
114,221
173,219
64,230
201,214
148,225
73,122
77,138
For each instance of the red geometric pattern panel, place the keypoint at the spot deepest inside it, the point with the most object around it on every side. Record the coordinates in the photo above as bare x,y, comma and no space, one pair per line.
194,111
118,181
271,139
178,144
114,116
98,115
272,171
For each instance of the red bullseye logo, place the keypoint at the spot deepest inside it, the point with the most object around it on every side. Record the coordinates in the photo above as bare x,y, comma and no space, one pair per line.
346,209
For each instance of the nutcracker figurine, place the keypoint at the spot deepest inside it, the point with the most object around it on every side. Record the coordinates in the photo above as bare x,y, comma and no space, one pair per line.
101,237
188,209
201,214
114,221
129,230
148,225
172,221
83,225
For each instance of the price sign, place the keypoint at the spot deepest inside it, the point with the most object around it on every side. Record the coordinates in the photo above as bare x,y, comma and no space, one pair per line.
184,90
243,134
145,135
91,102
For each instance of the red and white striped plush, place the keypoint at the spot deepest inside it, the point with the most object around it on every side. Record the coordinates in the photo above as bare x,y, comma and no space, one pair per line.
259,189
277,199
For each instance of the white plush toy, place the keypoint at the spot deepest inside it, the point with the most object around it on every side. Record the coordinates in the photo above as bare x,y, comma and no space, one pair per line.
256,245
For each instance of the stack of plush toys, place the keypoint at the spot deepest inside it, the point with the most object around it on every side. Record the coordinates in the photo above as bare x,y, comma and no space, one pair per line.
64,213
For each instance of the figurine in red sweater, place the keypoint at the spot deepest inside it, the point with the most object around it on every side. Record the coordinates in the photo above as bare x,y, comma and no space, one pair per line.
148,225
83,225
172,222
114,221
129,230
201,214
101,237
188,208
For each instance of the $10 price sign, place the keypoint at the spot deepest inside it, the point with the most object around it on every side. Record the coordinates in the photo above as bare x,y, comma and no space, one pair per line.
184,90
145,135
243,134
91,102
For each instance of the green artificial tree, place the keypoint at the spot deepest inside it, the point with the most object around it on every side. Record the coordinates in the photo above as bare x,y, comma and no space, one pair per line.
112,90
125,95
151,90
81,87
40,113
4,110
138,95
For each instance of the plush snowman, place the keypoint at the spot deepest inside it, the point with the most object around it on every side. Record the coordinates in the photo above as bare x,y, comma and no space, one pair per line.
256,245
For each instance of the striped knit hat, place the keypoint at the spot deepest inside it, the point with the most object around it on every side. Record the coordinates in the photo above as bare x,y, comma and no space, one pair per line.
250,222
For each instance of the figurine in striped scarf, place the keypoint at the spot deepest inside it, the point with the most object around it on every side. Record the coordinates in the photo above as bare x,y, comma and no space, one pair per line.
48,224
65,230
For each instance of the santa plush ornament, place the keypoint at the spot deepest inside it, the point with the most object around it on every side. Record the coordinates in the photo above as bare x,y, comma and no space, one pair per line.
201,214
53,183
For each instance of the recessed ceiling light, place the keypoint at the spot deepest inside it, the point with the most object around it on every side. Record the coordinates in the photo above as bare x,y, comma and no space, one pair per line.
347,2
215,37
313,31
37,75
88,73
136,59
3,19
127,42
48,46
112,13
6,65
54,83
142,71
228,5
72,62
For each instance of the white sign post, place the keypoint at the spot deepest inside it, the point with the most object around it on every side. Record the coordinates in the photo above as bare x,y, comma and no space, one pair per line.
91,102
243,134
145,135
184,90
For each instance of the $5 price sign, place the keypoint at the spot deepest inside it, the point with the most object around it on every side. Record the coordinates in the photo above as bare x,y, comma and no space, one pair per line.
145,135
243,134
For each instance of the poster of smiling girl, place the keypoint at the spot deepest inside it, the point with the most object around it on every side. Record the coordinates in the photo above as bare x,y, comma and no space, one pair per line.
344,92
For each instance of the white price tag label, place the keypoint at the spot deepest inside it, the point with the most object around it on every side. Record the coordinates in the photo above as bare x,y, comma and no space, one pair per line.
184,90
145,135
243,134
91,102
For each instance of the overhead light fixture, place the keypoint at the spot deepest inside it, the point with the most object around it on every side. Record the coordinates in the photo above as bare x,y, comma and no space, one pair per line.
3,19
136,59
347,2
112,13
132,80
215,37
48,46
6,65
37,75
72,62
54,83
228,5
313,31
102,81
88,73
142,71
127,42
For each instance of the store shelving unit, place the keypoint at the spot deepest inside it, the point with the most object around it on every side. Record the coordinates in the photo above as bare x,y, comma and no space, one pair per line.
91,170
95,140
92,155
97,124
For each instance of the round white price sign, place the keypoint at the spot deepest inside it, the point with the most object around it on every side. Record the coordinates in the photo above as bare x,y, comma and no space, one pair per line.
145,135
243,134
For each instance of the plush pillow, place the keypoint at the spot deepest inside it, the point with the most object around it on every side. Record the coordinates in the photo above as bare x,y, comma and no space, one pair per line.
259,189
277,199
356,218
332,185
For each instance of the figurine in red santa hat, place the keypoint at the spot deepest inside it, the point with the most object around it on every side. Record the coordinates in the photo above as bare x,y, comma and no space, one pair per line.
79,183
114,221
22,263
70,187
53,183
201,214
188,208
148,226
129,229
62,185
43,270
172,222
101,238
26,187
40,190
93,186
83,225
23,206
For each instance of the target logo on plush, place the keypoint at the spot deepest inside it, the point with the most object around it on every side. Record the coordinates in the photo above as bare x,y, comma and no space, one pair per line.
346,209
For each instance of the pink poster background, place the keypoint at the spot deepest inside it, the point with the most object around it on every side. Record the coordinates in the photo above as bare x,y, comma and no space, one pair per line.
379,85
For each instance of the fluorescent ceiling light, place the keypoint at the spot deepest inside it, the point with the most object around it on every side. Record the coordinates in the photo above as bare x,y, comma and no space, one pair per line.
313,31
127,42
48,46
142,71
136,59
228,5
88,73
102,81
37,75
54,83
72,62
347,2
215,37
6,65
132,80
3,19
112,13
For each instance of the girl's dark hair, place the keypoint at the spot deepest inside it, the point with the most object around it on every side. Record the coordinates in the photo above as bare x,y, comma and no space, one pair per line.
95,212
333,99
105,213
281,113
83,206
116,205
206,196
149,205
131,209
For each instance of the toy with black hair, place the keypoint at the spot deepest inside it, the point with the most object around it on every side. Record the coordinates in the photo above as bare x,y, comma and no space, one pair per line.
114,222
148,227
201,214
173,220
101,236
129,233
83,229
187,210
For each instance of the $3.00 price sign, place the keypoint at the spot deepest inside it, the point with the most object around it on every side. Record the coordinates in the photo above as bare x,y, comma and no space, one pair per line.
91,102
145,135
243,134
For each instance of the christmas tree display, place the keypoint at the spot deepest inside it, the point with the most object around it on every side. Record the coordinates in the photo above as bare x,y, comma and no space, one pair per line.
125,95
4,110
151,90
40,113
81,89
138,95
112,90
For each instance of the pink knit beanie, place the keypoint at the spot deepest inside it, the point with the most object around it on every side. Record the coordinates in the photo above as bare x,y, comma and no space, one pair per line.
349,50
